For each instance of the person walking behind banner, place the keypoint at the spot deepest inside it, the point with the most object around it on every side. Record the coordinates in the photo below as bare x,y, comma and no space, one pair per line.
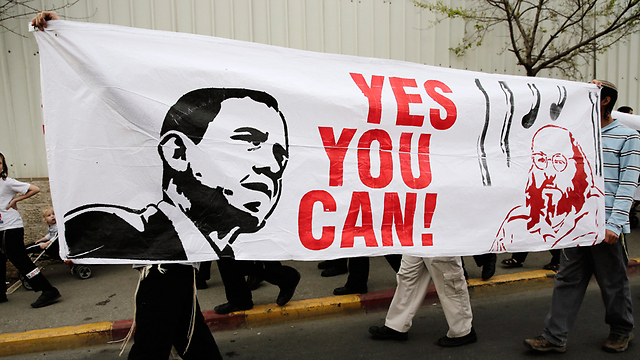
413,281
607,260
203,275
625,109
12,238
167,309
517,260
488,264
359,274
237,289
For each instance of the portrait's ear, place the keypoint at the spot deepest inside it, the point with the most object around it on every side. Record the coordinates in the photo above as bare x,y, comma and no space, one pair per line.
173,150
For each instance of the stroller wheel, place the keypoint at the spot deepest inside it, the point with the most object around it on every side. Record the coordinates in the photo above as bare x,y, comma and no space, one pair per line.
25,283
83,272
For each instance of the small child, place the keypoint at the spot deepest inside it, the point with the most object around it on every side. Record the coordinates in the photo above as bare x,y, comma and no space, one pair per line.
48,242
50,219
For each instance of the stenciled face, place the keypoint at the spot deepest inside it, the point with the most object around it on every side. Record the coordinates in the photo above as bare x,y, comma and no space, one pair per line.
243,153
553,167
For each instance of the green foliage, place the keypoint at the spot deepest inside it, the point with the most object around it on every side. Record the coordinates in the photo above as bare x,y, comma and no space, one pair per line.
545,34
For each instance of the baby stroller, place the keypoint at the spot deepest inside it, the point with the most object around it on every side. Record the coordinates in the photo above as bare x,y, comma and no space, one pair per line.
52,251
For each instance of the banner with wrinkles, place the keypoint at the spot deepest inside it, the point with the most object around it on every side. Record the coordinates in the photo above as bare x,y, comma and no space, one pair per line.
170,147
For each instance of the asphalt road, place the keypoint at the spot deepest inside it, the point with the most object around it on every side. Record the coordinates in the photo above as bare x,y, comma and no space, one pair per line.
502,322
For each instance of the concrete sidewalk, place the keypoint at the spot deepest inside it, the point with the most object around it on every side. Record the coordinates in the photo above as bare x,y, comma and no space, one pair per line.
98,310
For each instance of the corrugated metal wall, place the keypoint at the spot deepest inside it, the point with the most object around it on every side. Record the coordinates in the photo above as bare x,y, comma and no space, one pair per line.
393,29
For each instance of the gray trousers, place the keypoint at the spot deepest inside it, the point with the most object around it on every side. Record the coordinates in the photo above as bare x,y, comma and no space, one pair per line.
609,264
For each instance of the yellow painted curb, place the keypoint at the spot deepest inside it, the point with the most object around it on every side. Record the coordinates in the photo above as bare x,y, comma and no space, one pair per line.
73,337
304,309
539,275
69,337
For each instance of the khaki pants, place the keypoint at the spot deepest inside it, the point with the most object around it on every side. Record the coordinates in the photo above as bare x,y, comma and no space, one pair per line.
413,281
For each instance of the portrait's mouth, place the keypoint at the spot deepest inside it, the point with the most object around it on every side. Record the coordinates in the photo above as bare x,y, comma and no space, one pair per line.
258,186
552,190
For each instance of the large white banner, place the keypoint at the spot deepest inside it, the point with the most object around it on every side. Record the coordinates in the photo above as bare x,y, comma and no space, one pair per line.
175,147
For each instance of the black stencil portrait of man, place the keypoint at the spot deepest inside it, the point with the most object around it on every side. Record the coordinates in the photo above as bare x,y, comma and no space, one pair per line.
223,154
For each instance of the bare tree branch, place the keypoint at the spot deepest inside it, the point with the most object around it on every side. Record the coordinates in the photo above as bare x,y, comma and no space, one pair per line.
545,34
14,9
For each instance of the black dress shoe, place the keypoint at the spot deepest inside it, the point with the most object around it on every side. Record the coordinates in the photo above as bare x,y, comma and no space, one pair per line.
489,268
227,308
446,341
347,291
334,271
322,265
47,297
286,291
385,333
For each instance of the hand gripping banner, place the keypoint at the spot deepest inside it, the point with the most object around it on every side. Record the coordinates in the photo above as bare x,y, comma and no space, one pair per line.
175,147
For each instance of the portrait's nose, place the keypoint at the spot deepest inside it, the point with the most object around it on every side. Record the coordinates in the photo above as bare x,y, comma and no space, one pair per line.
268,162
550,172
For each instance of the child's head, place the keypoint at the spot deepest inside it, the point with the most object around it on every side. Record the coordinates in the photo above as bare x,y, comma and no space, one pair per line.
49,216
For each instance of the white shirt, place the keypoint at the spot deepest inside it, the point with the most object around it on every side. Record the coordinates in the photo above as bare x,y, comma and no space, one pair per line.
9,188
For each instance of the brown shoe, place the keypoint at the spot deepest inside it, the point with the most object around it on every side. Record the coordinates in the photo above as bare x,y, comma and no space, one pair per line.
539,343
617,343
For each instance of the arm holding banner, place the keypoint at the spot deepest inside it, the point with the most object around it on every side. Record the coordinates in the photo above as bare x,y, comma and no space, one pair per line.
168,289
608,261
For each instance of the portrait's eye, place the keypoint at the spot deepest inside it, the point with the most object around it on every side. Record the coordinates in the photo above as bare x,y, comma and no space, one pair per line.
559,162
252,136
540,161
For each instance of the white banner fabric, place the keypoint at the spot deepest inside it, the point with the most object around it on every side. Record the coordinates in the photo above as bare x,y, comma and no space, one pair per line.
168,147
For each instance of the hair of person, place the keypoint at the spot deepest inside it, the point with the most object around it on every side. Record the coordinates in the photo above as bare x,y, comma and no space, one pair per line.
194,111
625,109
46,211
611,91
5,169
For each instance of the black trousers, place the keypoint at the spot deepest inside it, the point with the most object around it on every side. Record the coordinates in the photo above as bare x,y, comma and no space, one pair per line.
359,269
232,273
12,245
204,273
483,259
164,305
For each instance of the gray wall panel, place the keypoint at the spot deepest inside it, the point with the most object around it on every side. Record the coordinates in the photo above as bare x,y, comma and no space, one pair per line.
393,29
